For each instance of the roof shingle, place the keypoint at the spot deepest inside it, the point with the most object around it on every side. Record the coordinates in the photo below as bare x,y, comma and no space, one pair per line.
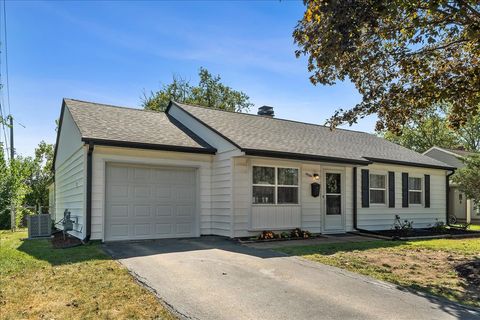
120,124
255,132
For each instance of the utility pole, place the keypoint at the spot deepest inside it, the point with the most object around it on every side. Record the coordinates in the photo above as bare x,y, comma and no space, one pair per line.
12,156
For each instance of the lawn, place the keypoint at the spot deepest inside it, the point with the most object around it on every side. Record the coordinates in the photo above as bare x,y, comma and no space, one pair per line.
449,268
37,281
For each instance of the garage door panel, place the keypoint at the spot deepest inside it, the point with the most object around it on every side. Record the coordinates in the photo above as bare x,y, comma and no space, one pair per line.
142,191
141,174
164,228
119,210
119,230
164,194
164,211
141,211
183,228
119,190
146,203
141,229
185,211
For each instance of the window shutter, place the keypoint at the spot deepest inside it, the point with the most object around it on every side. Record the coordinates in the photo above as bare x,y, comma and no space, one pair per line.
427,191
391,189
365,188
405,190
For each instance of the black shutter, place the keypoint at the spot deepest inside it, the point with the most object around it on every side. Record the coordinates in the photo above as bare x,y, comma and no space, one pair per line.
427,191
405,190
365,188
391,189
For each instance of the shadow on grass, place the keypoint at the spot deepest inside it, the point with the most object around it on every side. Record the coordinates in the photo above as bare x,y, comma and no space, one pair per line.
43,250
332,248
465,308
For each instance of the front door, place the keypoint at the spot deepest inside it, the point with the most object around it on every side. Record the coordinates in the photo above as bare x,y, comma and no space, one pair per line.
334,220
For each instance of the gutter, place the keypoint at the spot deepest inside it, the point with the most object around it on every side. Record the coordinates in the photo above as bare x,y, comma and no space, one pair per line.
447,199
88,204
355,209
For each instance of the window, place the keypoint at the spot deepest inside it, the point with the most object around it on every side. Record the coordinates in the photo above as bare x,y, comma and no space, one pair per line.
378,188
415,190
275,185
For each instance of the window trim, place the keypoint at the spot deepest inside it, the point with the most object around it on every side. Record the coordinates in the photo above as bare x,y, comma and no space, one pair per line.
385,189
421,191
276,185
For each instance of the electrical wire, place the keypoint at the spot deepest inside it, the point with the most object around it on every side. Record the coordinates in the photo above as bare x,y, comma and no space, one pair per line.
2,102
6,54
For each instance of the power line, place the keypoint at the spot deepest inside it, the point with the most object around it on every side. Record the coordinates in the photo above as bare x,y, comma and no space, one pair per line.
6,53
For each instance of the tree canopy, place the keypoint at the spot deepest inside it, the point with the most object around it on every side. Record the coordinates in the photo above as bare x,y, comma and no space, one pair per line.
23,183
432,129
403,56
210,92
468,178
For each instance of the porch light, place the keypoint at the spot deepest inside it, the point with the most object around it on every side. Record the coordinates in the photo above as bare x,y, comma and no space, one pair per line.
316,177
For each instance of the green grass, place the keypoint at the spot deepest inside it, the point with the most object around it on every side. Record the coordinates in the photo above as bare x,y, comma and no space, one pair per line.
37,281
425,265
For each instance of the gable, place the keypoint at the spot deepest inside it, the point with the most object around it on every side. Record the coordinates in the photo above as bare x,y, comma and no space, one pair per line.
445,157
69,138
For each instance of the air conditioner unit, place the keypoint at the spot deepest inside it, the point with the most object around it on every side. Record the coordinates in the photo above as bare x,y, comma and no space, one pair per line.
39,225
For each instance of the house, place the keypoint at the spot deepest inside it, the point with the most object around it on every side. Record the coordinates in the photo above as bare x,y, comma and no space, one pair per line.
126,173
459,205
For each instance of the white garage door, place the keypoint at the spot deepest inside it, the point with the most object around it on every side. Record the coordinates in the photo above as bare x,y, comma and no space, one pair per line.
149,202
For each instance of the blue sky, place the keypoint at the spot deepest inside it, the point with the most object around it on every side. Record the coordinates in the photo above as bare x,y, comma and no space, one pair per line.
111,52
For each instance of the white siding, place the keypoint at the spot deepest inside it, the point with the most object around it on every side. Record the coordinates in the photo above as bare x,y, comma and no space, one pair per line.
69,140
378,217
201,162
308,214
222,219
312,217
70,190
70,173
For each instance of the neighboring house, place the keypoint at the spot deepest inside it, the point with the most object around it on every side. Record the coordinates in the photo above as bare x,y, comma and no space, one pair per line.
459,205
133,174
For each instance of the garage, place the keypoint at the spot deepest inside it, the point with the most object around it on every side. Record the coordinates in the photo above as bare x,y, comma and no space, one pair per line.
144,202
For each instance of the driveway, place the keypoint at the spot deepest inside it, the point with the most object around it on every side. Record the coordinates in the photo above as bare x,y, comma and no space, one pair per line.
216,278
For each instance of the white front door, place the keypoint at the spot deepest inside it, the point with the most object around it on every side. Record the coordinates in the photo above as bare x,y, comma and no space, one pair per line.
333,202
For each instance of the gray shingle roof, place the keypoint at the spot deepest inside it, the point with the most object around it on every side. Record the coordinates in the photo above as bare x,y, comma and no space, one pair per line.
252,132
120,124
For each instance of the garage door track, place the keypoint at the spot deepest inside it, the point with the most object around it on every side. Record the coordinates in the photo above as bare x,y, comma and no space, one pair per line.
217,278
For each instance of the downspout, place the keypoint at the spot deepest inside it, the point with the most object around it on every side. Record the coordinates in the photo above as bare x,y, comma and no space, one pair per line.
88,204
355,207
355,214
447,188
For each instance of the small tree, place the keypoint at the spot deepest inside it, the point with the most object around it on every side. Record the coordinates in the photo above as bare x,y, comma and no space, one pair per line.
210,92
40,176
468,178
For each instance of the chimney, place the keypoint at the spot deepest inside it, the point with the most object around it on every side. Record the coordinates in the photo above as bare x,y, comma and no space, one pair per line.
266,111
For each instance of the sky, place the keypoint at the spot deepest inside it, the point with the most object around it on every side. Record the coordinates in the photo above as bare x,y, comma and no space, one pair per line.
111,52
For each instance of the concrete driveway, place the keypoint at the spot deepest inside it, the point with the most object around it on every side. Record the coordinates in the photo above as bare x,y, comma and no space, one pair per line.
215,278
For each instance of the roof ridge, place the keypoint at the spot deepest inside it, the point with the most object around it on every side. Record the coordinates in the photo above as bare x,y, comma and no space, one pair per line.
280,119
112,106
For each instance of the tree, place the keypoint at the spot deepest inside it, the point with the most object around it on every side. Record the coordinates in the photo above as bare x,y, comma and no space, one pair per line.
4,192
210,92
40,177
421,135
469,134
403,56
468,178
433,130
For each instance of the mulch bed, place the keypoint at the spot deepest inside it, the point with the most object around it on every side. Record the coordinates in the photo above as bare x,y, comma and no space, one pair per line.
425,232
255,239
470,271
59,242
